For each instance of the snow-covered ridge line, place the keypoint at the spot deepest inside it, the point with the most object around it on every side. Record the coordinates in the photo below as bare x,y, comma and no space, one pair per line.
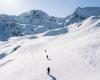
37,21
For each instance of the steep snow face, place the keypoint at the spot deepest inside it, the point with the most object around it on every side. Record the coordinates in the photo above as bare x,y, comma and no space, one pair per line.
33,17
87,12
73,56
39,18
81,14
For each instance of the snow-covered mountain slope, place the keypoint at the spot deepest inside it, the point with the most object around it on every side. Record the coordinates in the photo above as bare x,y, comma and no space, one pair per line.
81,14
38,17
71,51
74,56
32,22
37,21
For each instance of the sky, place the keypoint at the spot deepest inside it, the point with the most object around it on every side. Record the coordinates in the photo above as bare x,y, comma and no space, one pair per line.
58,8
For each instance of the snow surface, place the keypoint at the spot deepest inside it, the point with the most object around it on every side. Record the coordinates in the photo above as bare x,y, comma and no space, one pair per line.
72,52
74,55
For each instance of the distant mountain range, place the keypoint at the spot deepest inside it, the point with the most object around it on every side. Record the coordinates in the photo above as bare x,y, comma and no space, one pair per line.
37,21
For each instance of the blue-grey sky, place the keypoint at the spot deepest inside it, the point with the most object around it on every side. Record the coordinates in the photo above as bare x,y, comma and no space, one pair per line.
59,8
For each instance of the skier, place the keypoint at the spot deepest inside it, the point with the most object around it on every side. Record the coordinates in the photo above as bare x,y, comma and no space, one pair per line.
48,70
48,57
45,50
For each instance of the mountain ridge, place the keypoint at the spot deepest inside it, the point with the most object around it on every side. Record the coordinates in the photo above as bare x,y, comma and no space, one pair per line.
37,21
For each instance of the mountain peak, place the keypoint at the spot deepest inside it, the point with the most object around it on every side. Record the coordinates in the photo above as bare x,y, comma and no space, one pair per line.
33,12
37,21
87,11
81,14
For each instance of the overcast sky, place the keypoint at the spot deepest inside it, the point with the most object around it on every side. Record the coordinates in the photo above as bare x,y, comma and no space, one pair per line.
59,8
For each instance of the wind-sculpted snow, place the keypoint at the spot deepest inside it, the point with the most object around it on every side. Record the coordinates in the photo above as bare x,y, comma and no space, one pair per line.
56,32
